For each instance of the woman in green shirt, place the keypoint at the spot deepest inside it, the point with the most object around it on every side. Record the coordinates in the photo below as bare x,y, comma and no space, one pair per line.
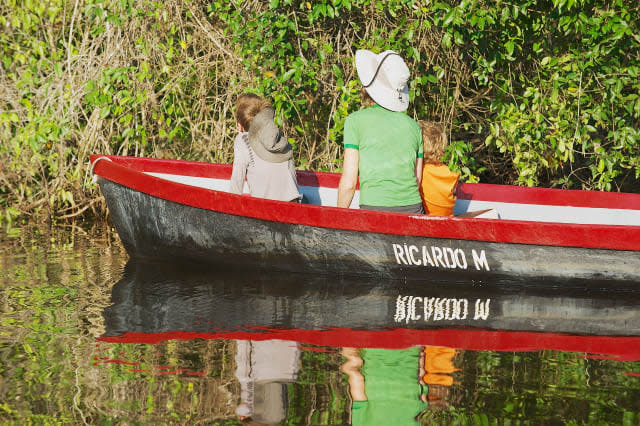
384,387
382,144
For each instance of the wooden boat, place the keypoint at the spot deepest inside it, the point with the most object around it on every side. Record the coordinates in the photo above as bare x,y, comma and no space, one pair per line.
180,211
154,302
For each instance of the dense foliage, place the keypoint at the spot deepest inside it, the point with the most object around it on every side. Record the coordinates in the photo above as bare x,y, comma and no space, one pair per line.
542,93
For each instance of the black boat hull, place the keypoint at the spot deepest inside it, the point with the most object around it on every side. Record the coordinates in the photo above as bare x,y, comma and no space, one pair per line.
155,228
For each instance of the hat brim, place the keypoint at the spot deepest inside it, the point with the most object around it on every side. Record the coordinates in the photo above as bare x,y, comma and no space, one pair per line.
263,129
366,63
386,97
268,156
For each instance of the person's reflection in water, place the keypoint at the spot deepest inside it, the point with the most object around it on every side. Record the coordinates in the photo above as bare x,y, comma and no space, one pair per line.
436,366
264,368
384,385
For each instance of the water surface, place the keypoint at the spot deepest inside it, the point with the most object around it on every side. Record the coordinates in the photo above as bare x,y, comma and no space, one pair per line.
89,336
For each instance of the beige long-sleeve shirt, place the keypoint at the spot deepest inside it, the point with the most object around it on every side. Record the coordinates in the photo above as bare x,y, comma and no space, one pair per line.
275,181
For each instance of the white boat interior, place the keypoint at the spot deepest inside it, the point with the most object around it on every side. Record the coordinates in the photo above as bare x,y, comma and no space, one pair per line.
509,211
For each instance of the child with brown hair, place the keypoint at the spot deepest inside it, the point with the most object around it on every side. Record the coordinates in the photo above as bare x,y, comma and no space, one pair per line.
262,153
439,183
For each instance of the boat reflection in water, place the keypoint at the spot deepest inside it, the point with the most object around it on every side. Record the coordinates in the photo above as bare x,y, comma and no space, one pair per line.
398,340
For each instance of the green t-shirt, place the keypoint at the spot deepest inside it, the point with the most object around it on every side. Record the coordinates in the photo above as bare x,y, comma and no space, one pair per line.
391,385
388,143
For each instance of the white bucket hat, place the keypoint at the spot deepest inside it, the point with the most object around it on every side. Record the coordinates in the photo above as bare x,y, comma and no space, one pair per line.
384,76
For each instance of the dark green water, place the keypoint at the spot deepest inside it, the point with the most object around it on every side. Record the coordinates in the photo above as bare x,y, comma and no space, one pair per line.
88,337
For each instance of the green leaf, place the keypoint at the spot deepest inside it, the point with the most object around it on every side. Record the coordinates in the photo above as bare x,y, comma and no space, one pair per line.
27,348
510,46
336,71
446,41
287,75
449,17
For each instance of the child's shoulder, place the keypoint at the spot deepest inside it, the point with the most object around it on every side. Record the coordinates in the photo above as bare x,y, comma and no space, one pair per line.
361,113
413,123
439,169
241,139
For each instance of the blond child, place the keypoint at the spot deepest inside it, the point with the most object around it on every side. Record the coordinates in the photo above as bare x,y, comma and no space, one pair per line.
261,153
439,183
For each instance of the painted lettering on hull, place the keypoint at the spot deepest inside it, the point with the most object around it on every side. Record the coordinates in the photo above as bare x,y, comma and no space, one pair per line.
439,257
435,309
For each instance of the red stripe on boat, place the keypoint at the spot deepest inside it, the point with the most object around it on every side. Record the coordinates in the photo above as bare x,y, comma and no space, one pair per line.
622,348
127,171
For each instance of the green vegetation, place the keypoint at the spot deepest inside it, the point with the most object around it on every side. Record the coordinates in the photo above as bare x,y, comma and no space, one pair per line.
538,93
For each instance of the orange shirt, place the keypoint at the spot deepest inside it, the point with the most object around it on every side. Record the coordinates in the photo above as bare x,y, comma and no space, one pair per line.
438,189
438,363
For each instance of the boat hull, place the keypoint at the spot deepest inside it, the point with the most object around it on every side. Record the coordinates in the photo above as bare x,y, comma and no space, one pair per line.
155,302
155,228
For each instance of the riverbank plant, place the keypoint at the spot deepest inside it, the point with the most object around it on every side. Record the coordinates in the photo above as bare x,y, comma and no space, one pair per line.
537,93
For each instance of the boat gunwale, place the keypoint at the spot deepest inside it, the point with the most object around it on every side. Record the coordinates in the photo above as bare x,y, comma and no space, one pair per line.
130,172
613,347
466,191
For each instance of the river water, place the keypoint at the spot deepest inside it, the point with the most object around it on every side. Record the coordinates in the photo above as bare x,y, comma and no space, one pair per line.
90,337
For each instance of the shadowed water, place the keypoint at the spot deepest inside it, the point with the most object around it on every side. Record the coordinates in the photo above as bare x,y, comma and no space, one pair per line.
90,337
